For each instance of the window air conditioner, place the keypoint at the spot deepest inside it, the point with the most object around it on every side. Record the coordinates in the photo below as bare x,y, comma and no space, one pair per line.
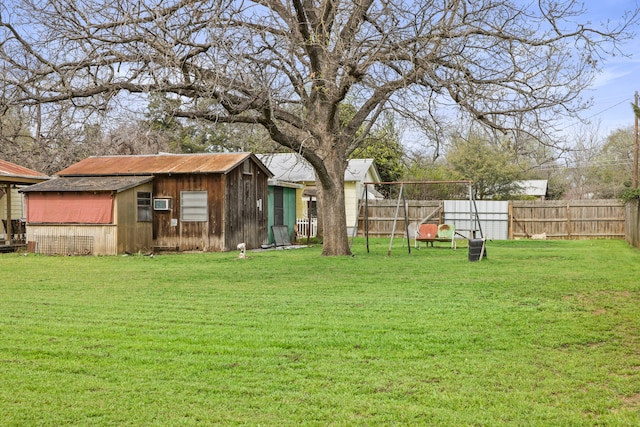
161,204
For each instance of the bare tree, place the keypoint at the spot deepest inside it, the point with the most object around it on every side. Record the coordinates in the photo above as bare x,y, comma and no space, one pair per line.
288,65
581,164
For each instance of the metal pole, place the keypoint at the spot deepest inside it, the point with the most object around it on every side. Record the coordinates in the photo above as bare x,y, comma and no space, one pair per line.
9,225
395,219
366,216
406,222
472,222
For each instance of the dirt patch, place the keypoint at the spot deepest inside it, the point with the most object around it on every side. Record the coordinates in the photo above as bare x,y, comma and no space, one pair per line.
631,402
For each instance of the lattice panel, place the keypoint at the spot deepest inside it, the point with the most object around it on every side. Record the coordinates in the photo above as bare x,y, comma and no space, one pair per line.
64,245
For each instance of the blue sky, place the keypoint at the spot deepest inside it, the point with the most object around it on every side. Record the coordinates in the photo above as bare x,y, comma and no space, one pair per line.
615,86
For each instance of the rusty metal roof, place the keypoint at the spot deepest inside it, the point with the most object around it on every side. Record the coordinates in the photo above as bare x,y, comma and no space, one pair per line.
159,164
88,183
10,172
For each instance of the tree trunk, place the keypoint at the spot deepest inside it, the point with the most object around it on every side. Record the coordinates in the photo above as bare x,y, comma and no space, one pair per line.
333,213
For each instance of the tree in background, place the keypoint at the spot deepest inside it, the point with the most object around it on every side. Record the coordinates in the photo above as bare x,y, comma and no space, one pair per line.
613,164
580,165
289,65
424,168
383,145
492,169
15,137
45,138
201,136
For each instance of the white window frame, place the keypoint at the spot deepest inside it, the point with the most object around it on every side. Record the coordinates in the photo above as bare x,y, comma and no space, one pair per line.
144,207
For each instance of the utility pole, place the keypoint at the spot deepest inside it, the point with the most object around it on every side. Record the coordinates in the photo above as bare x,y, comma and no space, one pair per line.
635,146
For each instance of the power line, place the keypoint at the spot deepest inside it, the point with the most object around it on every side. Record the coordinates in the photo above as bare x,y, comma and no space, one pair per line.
584,163
600,112
609,108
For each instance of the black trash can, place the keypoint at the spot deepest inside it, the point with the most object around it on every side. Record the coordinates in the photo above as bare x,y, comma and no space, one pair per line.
477,249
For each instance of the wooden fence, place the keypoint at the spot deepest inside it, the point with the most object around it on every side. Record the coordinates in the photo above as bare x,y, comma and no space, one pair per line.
632,227
568,219
382,216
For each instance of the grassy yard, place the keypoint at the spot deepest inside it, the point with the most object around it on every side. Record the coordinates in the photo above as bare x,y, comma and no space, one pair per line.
541,333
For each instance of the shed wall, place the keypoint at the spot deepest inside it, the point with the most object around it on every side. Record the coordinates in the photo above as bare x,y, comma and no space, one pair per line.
236,210
133,235
63,239
170,231
246,213
17,204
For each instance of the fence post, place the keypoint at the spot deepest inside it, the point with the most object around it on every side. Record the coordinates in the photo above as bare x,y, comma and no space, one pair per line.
569,220
510,225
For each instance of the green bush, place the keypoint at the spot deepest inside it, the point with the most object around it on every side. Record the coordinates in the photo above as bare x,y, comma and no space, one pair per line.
630,194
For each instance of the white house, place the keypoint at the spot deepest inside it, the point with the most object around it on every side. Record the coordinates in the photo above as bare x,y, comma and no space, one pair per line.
293,168
533,187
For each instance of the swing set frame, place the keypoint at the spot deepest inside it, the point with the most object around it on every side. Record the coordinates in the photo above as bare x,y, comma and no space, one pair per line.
474,220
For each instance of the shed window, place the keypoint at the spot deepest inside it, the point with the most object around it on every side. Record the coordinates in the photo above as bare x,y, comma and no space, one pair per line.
144,206
193,206
247,167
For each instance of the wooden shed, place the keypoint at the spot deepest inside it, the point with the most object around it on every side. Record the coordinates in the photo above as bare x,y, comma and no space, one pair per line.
89,215
200,202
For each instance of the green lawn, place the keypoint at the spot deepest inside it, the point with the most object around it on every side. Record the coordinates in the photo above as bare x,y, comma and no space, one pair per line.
541,333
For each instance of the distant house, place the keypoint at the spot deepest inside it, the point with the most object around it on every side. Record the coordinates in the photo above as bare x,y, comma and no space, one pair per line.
12,210
535,188
291,167
198,202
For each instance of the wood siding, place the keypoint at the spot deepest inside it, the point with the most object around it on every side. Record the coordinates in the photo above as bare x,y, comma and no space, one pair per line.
133,235
170,232
237,211
125,234
246,204
17,204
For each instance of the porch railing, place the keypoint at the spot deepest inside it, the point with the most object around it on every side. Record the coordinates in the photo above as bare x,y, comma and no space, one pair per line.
302,227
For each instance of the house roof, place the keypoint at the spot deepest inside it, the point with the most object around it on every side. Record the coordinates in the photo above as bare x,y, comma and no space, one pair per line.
288,167
292,167
10,172
533,187
357,170
158,164
88,183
